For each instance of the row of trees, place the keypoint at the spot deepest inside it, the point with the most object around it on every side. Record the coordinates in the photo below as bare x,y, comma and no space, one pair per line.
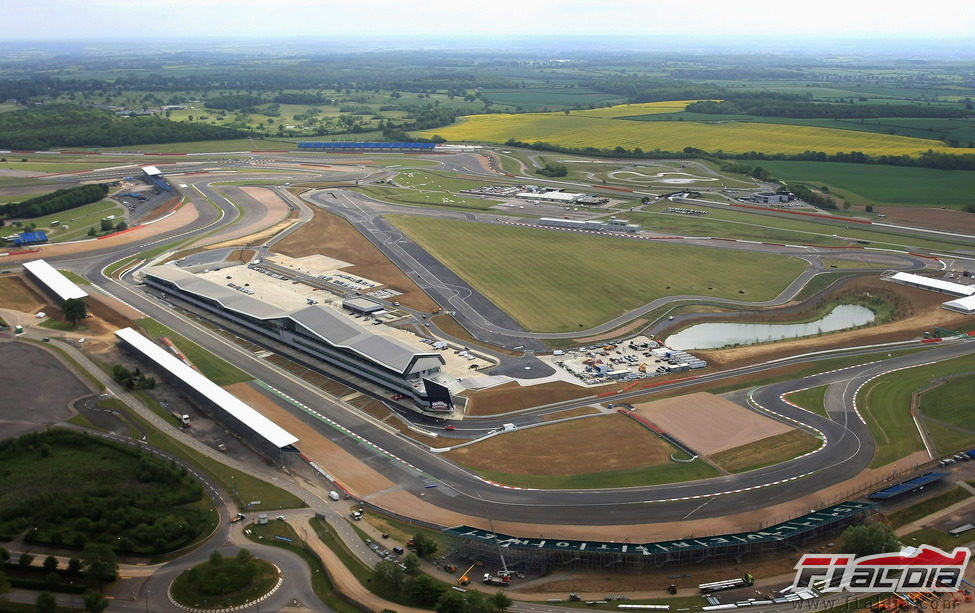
783,105
67,125
133,380
96,566
55,202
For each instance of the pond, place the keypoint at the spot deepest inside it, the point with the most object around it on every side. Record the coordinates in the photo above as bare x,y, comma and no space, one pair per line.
713,335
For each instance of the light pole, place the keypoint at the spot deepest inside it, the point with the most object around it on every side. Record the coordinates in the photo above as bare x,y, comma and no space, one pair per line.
147,600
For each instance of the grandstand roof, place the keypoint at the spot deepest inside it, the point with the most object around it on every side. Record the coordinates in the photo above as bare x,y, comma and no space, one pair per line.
935,284
54,280
151,171
907,486
797,526
324,322
962,305
243,412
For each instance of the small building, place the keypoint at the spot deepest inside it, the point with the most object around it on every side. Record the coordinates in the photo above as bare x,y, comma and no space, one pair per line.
362,306
770,198
621,225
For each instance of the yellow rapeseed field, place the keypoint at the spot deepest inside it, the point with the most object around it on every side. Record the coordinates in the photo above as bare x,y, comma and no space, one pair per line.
598,128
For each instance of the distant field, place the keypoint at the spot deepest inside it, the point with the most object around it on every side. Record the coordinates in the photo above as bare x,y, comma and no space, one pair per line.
950,404
558,281
876,184
582,129
547,98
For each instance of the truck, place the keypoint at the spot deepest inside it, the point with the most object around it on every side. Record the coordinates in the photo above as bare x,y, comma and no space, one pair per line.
727,584
182,418
491,580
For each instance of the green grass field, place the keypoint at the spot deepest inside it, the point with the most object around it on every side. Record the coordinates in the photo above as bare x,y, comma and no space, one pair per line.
558,281
75,223
812,399
547,98
875,184
425,198
920,510
951,403
219,371
886,406
756,225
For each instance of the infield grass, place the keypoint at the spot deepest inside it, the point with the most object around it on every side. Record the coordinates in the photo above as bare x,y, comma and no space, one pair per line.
886,406
219,371
812,399
555,281
766,452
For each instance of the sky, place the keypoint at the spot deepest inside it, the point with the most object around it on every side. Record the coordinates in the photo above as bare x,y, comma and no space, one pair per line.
142,19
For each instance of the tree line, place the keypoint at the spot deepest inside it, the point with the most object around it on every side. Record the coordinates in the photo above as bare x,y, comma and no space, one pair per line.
795,107
68,125
55,202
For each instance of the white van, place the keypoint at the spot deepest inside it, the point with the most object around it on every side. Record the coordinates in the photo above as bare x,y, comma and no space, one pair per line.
508,427
333,495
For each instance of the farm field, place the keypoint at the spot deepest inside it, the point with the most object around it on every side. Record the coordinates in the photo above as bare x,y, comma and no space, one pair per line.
546,98
580,130
555,281
886,405
876,184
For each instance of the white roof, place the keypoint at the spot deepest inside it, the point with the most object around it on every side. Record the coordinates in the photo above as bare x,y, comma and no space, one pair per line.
151,171
561,196
270,431
935,284
54,280
962,305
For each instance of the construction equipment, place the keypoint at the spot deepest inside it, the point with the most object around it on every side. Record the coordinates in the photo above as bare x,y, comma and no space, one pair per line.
450,568
643,367
463,578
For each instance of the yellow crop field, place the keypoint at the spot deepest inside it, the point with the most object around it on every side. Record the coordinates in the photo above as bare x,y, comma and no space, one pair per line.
584,129
629,110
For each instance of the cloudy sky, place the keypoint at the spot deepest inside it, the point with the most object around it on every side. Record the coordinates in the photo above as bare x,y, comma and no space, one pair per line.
140,19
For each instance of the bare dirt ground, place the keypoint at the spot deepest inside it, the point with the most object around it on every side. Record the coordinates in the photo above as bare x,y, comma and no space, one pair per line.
709,424
544,451
357,476
950,220
512,397
332,236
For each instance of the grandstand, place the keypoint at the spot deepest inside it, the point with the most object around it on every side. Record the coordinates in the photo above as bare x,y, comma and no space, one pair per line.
539,554
365,146
154,176
906,487
53,281
256,430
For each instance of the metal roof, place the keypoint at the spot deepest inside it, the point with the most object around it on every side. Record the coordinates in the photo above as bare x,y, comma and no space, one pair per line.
151,171
935,284
963,305
362,304
54,280
907,486
331,325
243,412
778,532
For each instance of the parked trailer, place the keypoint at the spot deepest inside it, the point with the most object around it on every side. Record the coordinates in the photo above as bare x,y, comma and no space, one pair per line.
727,584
